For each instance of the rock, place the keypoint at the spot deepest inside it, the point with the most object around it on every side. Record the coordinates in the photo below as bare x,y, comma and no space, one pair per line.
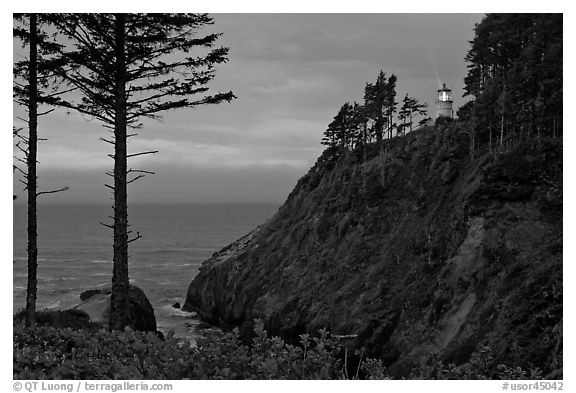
176,305
90,292
420,251
96,303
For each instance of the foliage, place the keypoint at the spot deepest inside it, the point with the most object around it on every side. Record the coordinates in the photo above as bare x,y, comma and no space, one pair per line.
129,67
55,350
411,107
379,100
266,357
45,352
361,124
480,366
153,55
75,319
515,77
32,86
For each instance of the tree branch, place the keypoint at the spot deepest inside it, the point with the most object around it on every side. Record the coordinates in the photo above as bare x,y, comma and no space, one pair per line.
20,170
140,171
107,141
21,160
138,236
140,154
136,178
53,191
45,113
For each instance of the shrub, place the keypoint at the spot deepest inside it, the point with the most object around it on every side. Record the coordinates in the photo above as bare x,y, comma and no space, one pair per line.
225,357
72,318
67,351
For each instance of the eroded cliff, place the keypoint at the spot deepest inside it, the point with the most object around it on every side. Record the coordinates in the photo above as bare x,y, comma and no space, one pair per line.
415,249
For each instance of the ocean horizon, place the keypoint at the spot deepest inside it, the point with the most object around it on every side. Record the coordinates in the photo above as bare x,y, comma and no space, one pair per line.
75,251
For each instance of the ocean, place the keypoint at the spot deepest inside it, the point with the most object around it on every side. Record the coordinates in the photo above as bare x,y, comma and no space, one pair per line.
75,251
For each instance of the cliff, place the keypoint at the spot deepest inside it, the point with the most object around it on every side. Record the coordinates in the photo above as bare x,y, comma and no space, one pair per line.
415,249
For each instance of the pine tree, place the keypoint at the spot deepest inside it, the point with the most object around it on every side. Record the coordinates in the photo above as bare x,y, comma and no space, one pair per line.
129,67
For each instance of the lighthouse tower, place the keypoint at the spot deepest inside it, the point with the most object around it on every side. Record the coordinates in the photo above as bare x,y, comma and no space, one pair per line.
444,102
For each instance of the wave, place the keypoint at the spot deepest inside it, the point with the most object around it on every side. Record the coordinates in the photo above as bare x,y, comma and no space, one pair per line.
176,312
100,274
51,279
189,264
54,305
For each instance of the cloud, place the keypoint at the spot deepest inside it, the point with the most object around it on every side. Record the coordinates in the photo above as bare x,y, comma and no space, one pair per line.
291,73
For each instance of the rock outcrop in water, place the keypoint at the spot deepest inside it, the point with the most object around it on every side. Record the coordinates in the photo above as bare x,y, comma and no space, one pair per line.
96,303
417,249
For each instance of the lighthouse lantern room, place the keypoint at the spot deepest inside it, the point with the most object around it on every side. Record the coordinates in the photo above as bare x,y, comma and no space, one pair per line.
444,102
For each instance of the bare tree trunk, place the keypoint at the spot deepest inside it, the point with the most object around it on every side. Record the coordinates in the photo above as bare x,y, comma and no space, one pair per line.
31,181
472,135
490,137
502,131
120,284
365,142
379,129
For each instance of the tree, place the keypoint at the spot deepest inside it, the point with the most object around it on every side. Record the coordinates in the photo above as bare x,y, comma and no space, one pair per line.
359,125
32,87
380,104
411,107
339,131
515,76
129,67
390,104
374,102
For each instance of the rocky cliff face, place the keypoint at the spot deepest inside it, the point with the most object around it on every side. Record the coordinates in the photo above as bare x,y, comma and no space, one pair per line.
416,249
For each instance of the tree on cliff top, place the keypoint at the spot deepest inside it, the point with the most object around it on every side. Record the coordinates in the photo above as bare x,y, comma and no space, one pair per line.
129,67
380,104
411,107
515,76
338,132
32,86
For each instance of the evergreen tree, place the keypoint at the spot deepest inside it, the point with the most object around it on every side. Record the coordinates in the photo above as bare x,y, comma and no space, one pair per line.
390,104
339,132
380,104
411,107
515,76
375,103
359,125
129,67
33,86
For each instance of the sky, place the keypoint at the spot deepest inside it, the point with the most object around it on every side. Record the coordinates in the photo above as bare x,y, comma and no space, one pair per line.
291,73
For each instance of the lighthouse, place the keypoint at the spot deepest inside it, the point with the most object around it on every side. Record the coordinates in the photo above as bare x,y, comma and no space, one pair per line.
444,102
